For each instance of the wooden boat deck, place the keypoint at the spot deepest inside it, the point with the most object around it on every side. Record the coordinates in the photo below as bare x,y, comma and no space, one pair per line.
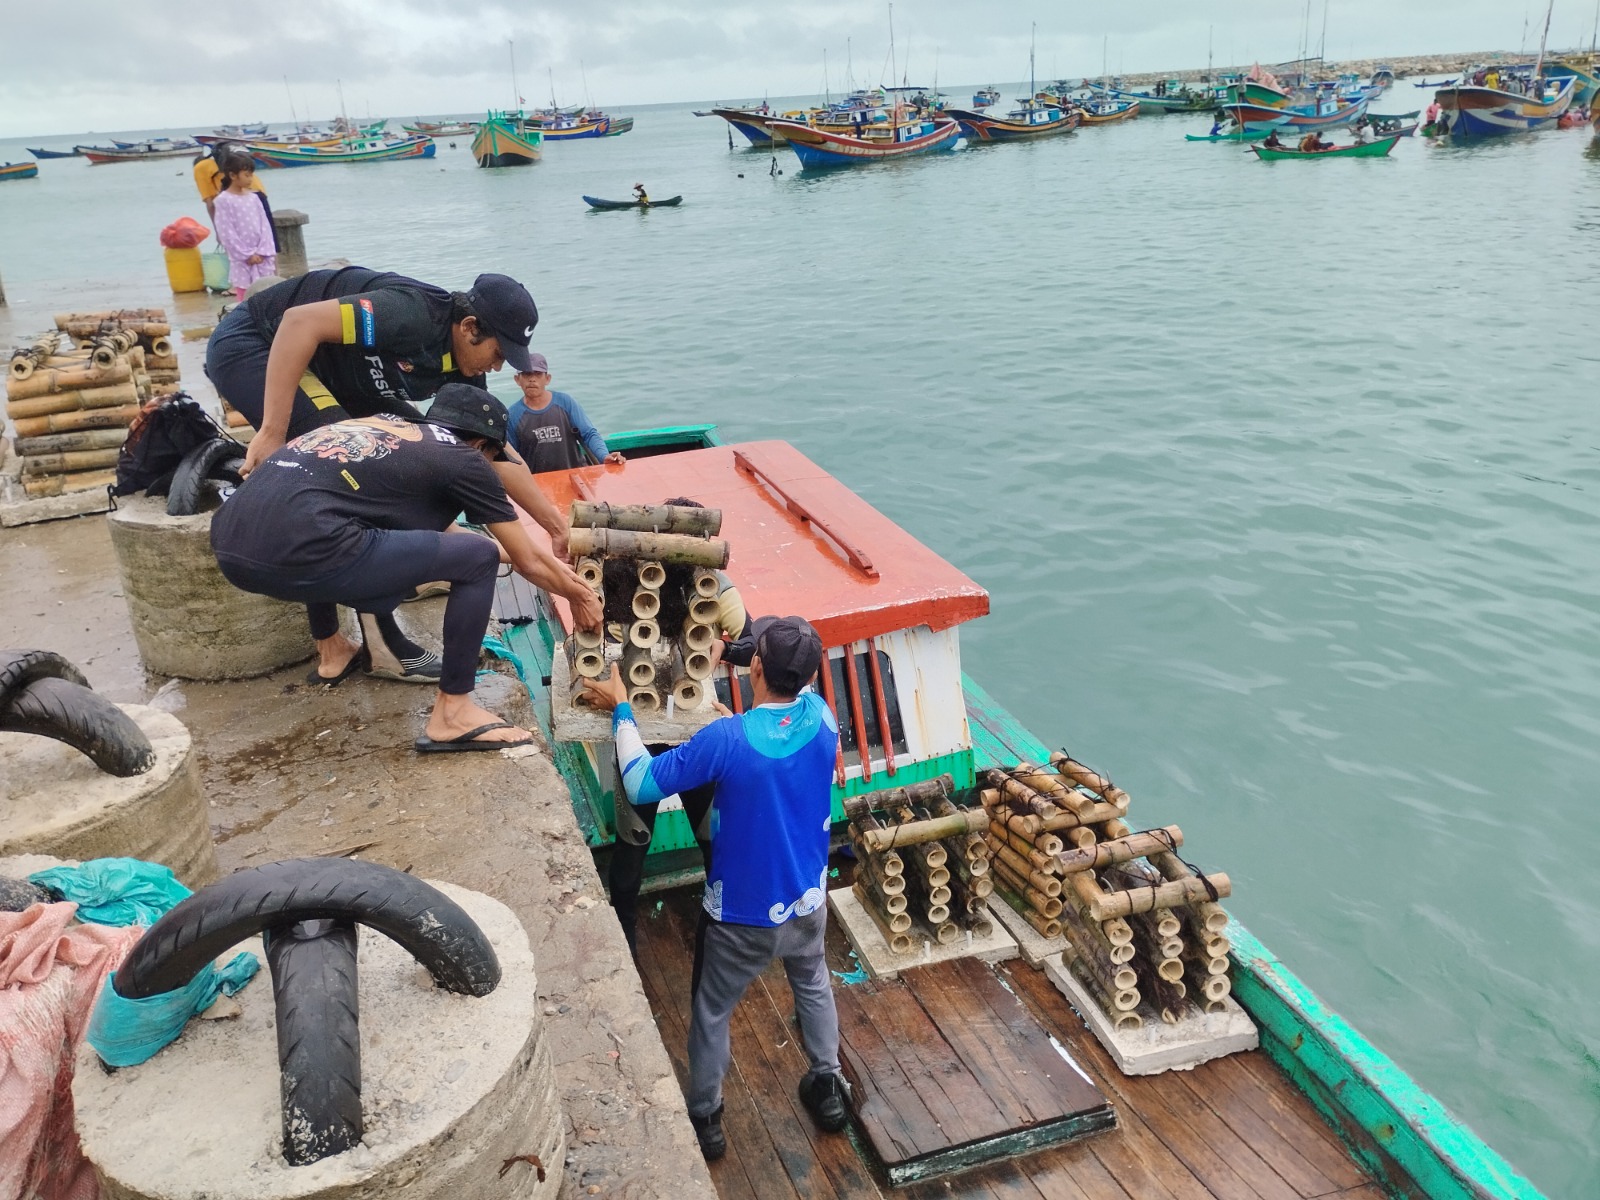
1234,1129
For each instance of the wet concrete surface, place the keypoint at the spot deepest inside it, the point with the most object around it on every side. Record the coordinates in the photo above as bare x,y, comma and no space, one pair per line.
292,770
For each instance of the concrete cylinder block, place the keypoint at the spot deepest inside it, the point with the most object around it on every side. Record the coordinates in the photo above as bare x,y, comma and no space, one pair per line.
188,620
455,1091
60,803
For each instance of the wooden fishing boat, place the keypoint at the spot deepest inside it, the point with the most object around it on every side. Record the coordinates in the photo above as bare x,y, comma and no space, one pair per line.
327,142
1257,92
22,170
1254,116
1435,82
1373,149
139,151
1316,1111
1346,114
1472,111
985,97
1026,123
820,148
436,129
1173,98
754,123
1586,74
354,151
1383,124
563,128
42,154
499,142
1104,112
1236,135
1382,76
600,205
619,125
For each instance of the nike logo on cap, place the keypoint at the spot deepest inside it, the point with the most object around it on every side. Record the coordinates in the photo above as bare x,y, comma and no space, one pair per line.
528,332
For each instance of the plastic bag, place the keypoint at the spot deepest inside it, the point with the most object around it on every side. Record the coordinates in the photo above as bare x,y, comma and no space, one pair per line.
183,234
115,891
217,269
126,1032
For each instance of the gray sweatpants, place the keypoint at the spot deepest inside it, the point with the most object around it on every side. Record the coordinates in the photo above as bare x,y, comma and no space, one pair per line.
727,958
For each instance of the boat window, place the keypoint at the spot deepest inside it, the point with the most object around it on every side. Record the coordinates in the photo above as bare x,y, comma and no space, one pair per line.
869,709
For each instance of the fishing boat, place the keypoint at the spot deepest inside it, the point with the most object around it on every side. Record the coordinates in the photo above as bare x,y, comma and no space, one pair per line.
619,125
1378,148
1263,92
1586,74
42,154
302,136
985,97
1231,135
1254,117
1103,111
238,133
600,205
899,139
1317,1110
1333,118
1473,111
501,142
441,130
563,128
352,151
1435,82
1383,124
1029,121
22,170
328,141
1169,96
753,123
1382,76
139,151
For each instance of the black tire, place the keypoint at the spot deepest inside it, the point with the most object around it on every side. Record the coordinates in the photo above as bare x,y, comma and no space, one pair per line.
72,713
203,462
19,668
313,965
434,928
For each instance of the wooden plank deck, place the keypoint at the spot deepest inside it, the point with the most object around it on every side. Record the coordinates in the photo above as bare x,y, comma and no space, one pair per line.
1234,1129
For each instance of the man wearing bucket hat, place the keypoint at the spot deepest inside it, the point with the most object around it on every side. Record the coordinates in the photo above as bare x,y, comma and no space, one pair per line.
360,512
353,342
766,890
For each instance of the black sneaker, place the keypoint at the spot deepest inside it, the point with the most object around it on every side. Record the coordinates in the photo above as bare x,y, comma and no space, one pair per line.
709,1130
823,1096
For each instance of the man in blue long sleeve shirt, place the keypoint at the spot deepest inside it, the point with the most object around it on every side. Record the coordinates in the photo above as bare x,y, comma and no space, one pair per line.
549,429
766,893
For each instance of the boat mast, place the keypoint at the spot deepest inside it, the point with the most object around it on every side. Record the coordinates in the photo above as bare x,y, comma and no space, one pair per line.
827,95
516,92
1538,67
1322,47
1033,87
894,67
290,94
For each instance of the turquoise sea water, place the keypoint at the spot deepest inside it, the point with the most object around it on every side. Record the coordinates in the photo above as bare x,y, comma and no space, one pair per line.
1282,478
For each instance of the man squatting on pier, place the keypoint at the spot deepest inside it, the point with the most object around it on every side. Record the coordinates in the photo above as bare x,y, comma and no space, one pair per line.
766,891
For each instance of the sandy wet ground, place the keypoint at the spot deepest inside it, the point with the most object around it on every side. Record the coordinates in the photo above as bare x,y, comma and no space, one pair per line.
292,770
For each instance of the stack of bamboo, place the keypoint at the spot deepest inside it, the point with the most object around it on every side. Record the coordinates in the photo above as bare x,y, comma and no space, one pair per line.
1144,931
149,329
654,567
922,864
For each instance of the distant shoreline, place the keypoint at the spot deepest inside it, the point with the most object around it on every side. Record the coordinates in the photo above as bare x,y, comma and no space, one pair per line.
1404,66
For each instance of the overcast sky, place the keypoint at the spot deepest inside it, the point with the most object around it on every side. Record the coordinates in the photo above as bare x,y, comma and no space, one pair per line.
110,66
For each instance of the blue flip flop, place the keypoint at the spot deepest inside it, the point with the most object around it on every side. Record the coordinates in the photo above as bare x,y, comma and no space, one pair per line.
426,745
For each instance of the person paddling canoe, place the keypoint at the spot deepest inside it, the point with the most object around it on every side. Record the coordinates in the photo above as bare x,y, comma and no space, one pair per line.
641,196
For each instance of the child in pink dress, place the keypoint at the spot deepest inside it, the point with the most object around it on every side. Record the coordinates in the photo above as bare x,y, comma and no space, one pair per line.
242,226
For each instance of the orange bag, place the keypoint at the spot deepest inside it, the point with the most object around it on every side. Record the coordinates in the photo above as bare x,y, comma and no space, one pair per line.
183,234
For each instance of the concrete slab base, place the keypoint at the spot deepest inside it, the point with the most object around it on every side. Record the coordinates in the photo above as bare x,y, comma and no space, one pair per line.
882,963
18,508
1031,944
582,724
1158,1047
454,1090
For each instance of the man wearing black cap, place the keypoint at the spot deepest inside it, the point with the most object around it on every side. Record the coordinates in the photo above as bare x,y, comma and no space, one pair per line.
766,889
353,342
360,512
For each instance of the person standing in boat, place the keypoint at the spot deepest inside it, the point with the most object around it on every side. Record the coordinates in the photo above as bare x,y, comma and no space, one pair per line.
766,893
339,344
549,429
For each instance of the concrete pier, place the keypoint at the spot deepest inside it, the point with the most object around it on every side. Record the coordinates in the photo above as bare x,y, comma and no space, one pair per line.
289,224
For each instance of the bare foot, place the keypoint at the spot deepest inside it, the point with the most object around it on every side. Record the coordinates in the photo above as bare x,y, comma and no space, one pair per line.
335,654
453,716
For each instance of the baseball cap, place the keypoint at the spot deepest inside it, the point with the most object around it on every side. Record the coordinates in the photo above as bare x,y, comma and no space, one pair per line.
462,408
539,363
790,651
506,310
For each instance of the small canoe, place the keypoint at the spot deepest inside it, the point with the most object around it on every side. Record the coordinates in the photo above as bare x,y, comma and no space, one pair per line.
1375,149
1238,135
23,170
55,153
600,205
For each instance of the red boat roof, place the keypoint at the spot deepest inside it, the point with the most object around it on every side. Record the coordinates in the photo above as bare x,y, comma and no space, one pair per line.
848,569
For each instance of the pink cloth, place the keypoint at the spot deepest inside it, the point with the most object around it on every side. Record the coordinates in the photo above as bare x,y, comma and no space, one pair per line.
243,230
51,972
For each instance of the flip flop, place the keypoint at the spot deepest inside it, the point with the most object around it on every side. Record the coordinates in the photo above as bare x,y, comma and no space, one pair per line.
350,668
426,745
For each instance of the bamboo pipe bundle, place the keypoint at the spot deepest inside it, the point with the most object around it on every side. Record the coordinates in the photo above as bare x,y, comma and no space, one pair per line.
646,603
638,668
60,485
1201,961
1020,867
1051,787
917,832
1213,946
1168,997
150,330
861,822
68,379
1122,1016
1037,860
1090,936
930,850
1162,925
161,346
897,940
696,636
1081,837
644,634
1103,905
1212,916
590,571
1045,926
1120,984
588,662
961,847
27,359
62,320
663,547
1095,815
1120,850
697,664
71,422
60,402
57,443
1045,906
992,801
161,362
1210,987
588,639
644,699
1087,893
1081,775
706,584
72,460
1021,796
889,884
686,692
652,575
646,518
948,932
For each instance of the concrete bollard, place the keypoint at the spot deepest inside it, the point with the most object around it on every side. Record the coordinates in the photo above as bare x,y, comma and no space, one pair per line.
456,1090
291,241
188,620
60,803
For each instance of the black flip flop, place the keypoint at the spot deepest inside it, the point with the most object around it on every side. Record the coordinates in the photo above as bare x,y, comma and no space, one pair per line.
350,668
426,745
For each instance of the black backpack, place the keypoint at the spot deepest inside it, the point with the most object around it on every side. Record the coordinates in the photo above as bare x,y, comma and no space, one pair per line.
159,438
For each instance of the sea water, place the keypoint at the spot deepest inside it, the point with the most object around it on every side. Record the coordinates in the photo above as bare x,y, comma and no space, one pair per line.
1282,478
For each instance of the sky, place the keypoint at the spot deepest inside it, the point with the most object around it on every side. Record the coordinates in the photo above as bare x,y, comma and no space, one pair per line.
206,62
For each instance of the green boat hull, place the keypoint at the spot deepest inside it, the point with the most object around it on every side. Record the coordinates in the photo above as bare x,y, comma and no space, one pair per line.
1377,149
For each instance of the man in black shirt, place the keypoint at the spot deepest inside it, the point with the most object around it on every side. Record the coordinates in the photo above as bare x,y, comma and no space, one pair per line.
362,511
